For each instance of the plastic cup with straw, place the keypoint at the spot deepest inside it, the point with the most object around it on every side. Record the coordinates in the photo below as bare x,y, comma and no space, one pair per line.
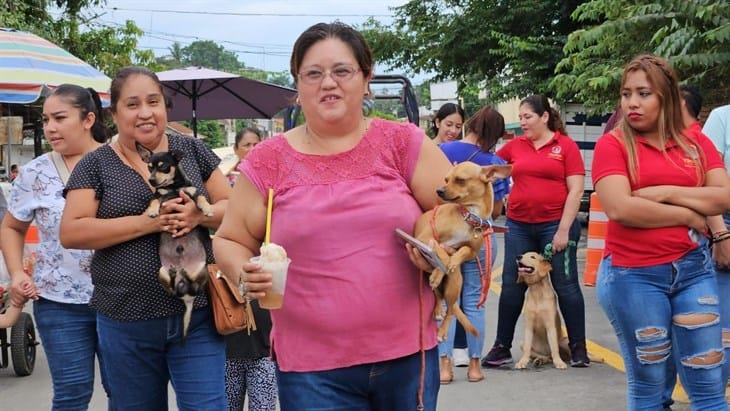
278,267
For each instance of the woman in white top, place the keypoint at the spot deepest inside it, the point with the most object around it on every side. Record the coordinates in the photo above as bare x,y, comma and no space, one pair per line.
60,283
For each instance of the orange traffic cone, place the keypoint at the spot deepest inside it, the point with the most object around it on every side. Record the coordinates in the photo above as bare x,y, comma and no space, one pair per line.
31,242
597,224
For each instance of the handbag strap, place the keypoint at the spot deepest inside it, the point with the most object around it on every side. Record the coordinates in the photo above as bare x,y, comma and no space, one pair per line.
60,166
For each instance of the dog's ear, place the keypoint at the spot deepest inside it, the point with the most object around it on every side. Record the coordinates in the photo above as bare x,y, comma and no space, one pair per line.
545,266
144,152
493,172
177,154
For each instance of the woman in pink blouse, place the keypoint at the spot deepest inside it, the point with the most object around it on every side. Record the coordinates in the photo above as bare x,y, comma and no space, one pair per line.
349,334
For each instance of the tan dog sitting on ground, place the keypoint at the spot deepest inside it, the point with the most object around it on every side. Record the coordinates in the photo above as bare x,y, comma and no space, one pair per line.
459,224
544,338
543,328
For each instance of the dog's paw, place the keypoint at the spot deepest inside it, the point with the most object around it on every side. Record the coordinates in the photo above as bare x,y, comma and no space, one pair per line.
434,280
153,214
560,364
522,363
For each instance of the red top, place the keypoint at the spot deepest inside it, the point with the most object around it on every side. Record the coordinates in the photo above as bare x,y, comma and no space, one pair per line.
540,189
643,247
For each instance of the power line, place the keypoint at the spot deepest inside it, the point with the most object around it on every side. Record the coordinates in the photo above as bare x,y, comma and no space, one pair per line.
226,13
187,43
285,47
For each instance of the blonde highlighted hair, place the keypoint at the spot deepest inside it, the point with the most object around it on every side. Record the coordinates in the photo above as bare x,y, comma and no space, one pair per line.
670,125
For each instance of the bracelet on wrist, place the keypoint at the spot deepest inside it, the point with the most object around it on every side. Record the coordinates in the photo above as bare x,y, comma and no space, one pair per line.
717,240
720,237
720,233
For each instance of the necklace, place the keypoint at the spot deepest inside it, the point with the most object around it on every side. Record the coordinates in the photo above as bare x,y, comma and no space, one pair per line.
309,133
144,174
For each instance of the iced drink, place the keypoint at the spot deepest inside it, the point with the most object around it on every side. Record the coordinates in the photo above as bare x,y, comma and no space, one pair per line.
273,259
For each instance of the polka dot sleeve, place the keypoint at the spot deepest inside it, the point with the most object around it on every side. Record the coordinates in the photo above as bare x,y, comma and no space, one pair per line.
207,160
86,175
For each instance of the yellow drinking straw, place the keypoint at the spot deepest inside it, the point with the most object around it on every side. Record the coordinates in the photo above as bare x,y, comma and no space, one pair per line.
269,207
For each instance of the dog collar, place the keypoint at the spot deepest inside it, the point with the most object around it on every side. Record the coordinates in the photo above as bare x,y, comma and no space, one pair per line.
477,223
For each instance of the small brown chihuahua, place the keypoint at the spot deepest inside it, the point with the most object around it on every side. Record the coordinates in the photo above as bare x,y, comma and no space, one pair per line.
183,271
459,224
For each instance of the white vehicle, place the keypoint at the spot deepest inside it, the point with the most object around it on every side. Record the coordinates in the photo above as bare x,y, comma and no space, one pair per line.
585,130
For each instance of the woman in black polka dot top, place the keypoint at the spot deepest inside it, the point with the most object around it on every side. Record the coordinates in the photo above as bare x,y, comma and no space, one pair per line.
139,324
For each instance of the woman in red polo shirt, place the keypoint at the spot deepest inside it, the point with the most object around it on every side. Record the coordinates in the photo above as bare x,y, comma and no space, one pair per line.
547,171
657,181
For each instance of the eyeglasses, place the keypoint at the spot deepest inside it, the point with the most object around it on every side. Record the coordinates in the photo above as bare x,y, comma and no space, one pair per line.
339,73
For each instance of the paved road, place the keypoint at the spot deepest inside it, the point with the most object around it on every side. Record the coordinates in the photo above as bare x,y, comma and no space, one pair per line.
600,387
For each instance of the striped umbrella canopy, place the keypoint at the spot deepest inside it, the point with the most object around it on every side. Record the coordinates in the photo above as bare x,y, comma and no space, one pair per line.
31,65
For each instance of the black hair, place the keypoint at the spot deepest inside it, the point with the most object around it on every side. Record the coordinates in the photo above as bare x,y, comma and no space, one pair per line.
488,125
692,99
338,30
240,134
445,111
540,104
124,74
87,101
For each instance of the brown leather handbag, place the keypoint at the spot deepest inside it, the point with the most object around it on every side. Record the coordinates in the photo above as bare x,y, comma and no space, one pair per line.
231,310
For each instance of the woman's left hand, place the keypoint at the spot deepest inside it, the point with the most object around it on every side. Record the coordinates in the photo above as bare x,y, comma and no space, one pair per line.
181,216
560,240
721,255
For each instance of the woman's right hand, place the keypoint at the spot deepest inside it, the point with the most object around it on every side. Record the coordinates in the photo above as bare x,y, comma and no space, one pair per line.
420,262
255,282
697,221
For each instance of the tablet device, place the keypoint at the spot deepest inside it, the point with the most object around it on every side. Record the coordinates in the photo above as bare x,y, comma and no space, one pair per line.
426,251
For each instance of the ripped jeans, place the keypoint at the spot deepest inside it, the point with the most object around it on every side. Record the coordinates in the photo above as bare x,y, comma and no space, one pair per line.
662,309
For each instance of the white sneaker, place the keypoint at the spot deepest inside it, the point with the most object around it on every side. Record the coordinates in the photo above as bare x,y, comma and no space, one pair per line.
461,357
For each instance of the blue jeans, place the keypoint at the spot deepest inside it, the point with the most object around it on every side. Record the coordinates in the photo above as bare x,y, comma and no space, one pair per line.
723,285
470,293
68,334
524,237
141,357
650,309
384,386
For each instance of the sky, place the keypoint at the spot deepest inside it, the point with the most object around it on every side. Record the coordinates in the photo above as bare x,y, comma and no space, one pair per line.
260,41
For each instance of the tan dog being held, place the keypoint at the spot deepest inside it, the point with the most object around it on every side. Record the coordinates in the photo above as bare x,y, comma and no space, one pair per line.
469,197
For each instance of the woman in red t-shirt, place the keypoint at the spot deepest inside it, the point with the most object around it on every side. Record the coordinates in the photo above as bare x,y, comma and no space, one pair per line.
547,171
657,181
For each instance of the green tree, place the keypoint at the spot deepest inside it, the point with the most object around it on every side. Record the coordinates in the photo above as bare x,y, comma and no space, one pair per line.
173,60
212,130
512,47
693,35
207,53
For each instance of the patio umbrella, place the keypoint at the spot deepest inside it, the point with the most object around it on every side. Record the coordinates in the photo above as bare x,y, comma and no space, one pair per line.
30,65
201,93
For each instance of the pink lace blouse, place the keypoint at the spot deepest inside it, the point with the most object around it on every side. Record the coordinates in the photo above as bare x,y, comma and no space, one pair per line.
351,294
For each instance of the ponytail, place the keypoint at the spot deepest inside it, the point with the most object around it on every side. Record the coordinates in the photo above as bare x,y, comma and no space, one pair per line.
98,130
555,123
